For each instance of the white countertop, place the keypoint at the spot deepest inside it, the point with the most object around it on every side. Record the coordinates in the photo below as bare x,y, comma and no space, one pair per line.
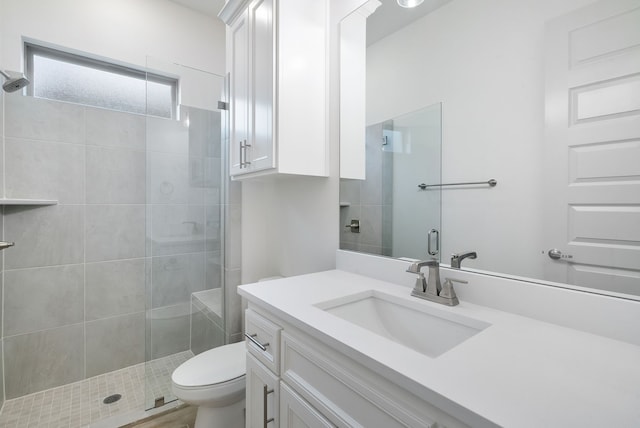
519,372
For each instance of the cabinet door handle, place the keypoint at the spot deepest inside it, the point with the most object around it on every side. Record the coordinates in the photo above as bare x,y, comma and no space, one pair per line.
243,154
245,146
266,392
251,337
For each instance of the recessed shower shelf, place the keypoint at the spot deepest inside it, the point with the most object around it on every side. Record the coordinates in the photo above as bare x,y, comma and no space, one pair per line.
10,201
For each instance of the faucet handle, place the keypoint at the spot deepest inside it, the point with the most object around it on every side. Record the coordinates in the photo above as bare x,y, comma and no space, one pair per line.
460,281
447,289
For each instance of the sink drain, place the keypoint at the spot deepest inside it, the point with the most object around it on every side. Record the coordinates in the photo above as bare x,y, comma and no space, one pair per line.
112,399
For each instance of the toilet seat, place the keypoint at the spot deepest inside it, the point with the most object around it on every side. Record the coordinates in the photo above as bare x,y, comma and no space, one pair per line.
215,377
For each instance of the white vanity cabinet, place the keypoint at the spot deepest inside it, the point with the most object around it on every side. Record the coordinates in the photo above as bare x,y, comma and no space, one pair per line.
321,387
276,55
262,395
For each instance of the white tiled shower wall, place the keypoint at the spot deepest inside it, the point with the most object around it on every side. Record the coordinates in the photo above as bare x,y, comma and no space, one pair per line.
135,226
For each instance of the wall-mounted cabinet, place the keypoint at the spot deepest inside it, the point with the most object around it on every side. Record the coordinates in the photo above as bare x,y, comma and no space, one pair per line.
276,56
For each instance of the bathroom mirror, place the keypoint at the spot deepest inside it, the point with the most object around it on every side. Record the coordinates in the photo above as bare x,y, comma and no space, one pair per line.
565,210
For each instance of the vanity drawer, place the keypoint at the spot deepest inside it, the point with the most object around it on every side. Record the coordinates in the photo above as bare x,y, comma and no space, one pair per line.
263,339
350,395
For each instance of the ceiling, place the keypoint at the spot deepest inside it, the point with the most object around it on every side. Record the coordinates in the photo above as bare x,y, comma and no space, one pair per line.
208,7
390,17
386,20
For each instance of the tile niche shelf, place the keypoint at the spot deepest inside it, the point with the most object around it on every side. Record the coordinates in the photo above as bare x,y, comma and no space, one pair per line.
14,201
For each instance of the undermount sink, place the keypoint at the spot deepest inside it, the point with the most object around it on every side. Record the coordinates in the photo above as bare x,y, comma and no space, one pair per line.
414,324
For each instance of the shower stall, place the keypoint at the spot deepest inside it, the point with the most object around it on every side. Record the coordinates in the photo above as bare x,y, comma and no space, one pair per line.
125,260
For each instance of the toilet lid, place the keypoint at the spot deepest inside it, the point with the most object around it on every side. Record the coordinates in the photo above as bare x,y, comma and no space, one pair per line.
217,365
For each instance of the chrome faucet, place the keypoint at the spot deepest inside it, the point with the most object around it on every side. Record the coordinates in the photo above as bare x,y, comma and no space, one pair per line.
457,258
431,289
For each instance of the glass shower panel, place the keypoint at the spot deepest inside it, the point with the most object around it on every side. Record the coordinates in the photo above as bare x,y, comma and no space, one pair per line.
184,250
396,217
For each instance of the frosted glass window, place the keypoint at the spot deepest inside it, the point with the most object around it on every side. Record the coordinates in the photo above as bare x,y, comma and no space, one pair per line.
62,76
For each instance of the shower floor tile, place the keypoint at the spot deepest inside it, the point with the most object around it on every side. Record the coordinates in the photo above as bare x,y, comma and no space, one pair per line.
79,404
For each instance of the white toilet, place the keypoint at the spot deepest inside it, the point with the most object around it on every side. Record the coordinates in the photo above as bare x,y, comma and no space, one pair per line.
215,382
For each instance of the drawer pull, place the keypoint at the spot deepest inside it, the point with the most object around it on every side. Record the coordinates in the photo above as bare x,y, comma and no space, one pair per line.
251,337
266,392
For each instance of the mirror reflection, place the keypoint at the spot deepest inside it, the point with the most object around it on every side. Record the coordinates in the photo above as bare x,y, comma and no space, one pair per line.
388,207
543,97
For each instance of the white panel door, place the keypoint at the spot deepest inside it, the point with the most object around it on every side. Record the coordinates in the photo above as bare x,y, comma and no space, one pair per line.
592,147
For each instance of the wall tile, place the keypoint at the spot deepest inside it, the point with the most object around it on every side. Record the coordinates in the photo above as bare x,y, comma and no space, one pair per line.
350,191
115,129
1,378
371,225
40,119
213,228
232,238
204,132
1,287
37,169
168,330
233,303
114,288
387,227
213,270
43,360
205,334
353,212
41,298
115,343
44,236
115,176
115,232
167,178
176,277
177,229
167,136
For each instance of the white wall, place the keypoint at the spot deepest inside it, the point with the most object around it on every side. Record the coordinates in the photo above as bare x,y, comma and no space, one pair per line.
484,62
125,30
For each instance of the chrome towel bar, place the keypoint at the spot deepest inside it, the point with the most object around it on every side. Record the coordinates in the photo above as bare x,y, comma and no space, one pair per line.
491,183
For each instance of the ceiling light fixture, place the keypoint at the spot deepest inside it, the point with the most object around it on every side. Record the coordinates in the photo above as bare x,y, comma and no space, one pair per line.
409,3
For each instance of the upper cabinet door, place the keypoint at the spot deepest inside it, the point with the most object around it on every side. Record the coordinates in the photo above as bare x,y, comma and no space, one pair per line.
261,153
239,94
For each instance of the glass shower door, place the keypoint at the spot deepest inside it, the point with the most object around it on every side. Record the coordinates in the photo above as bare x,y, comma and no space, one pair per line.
184,249
395,216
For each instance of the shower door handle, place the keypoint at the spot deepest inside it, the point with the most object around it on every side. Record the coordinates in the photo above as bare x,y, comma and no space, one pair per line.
431,233
4,245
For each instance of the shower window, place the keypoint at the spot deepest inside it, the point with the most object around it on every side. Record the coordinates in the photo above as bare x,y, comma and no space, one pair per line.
63,76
